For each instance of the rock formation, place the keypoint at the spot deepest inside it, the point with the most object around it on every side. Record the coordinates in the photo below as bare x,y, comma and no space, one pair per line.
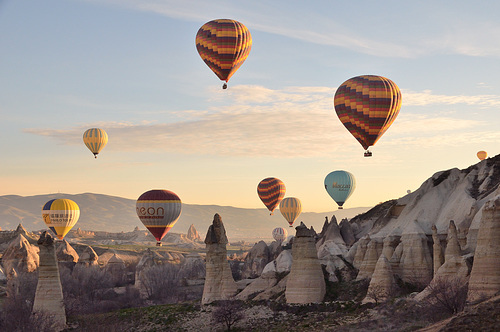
20,255
347,232
193,234
360,246
49,294
255,261
382,282
66,255
88,257
437,250
485,275
369,260
219,282
117,269
192,270
455,265
306,283
415,263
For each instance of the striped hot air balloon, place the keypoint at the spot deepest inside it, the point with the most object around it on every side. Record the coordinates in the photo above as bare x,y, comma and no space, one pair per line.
95,139
340,185
290,208
224,45
60,215
158,210
280,234
271,191
367,106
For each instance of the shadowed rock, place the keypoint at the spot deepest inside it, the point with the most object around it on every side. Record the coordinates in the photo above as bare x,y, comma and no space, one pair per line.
305,283
219,282
49,295
20,255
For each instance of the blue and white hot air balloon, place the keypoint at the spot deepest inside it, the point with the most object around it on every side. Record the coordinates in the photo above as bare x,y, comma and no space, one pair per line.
340,185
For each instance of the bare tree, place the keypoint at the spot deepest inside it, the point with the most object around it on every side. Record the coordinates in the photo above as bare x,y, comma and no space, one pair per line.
448,294
160,282
228,312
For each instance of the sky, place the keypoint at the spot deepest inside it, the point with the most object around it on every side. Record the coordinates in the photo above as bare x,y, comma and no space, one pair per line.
131,68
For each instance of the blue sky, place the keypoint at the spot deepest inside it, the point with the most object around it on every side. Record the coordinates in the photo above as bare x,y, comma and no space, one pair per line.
131,68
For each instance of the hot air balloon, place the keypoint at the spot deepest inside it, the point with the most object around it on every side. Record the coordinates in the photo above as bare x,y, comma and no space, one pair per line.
60,215
280,234
482,155
290,208
158,210
340,185
271,191
224,45
367,106
95,139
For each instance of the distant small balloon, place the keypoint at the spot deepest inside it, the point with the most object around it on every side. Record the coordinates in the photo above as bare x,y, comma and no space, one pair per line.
408,191
482,155
280,234
95,139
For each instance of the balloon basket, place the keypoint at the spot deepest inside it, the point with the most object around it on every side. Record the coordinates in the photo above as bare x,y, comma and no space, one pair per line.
158,244
368,153
224,86
341,208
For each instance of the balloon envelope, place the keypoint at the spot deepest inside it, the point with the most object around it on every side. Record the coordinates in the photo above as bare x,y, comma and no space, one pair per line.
340,185
95,139
367,106
60,215
290,208
223,45
271,191
482,155
158,210
280,234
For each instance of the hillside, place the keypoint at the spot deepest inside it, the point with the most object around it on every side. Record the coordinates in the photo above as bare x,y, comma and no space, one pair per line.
117,214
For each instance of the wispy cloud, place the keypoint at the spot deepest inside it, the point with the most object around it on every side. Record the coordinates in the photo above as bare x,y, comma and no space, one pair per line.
257,121
450,34
426,97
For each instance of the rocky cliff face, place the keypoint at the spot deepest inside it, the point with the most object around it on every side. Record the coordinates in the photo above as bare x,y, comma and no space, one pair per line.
192,234
20,255
306,283
219,282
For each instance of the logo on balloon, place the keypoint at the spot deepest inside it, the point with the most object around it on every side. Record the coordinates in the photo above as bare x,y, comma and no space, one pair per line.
341,186
150,212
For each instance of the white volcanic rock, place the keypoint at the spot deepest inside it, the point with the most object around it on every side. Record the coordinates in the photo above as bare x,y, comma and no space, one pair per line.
255,261
49,294
117,269
382,283
347,232
262,283
331,233
88,257
306,283
437,250
415,264
485,275
20,255
282,263
66,253
360,252
219,282
272,292
373,251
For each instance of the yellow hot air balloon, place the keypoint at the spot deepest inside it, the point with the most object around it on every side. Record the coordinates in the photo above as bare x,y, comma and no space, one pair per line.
290,208
95,139
482,155
60,215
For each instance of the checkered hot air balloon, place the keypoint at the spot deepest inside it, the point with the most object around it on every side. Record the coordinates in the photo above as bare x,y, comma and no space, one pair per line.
367,106
224,45
271,191
158,210
60,215
95,139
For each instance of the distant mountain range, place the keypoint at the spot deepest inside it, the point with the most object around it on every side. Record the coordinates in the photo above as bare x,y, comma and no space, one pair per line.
117,214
